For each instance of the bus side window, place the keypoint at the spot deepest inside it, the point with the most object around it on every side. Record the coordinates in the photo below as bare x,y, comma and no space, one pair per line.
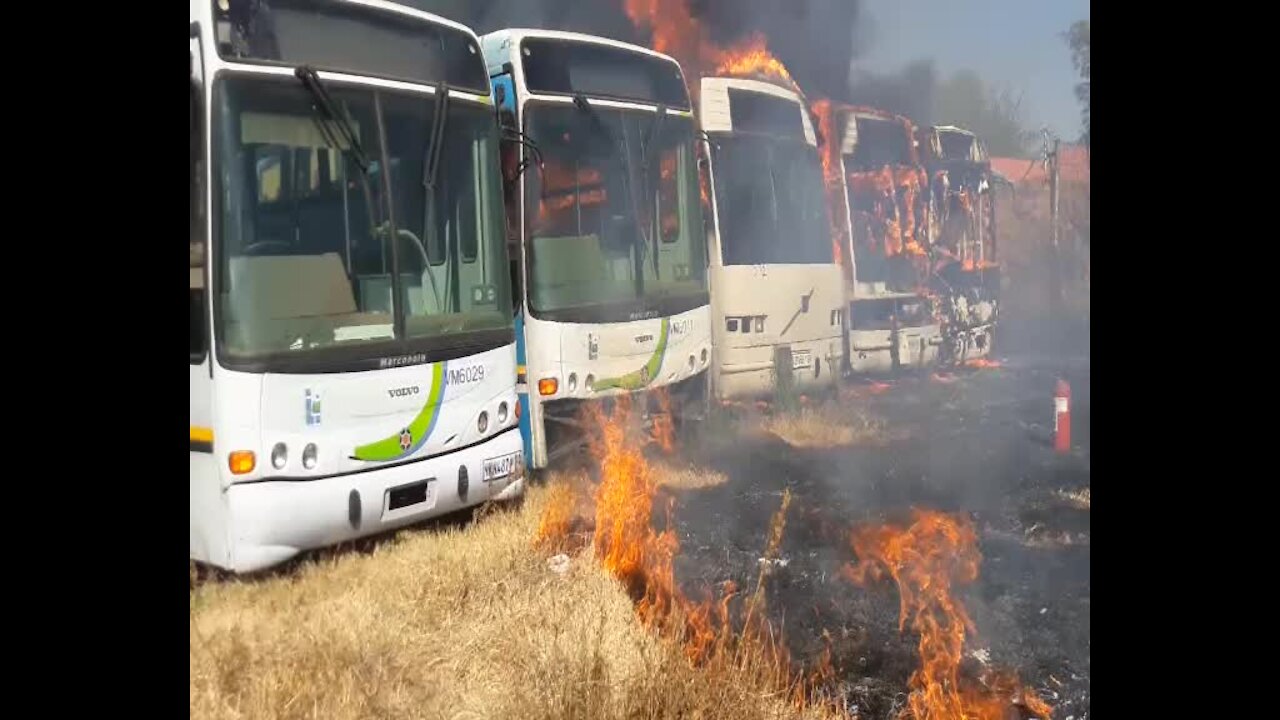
199,332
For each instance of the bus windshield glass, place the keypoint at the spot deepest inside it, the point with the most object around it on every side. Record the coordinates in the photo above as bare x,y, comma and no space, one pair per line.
956,146
349,37
305,251
880,143
613,215
771,201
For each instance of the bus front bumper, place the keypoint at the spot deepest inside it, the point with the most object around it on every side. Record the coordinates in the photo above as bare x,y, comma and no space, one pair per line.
274,520
747,373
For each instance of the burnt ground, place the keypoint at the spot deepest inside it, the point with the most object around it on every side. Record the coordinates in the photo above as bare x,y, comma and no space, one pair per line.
979,444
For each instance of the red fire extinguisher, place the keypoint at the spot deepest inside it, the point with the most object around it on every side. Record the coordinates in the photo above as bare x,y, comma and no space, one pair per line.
1062,417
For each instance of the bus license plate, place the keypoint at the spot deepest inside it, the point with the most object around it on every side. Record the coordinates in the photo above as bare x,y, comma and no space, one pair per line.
801,359
500,467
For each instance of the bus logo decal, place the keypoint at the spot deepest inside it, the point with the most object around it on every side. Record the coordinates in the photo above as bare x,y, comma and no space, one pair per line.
409,439
640,378
401,361
312,400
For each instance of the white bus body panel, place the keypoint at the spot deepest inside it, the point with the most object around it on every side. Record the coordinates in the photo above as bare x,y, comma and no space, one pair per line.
744,361
250,521
619,358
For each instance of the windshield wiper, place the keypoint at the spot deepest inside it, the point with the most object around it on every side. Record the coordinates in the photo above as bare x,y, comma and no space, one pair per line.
651,189
431,164
430,175
327,118
329,111
620,154
580,102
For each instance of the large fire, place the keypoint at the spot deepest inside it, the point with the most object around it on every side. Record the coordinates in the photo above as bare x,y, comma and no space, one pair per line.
677,33
927,559
625,544
752,58
831,179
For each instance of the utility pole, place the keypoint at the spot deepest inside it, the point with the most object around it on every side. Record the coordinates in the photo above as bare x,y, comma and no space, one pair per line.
1053,192
1055,255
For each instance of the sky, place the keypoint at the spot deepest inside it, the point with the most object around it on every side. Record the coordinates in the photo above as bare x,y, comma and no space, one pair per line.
1009,43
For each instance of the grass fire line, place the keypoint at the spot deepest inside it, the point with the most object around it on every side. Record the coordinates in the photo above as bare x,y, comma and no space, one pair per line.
625,544
927,559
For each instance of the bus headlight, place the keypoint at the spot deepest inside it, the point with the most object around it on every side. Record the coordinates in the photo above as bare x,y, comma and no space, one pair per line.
309,456
502,413
483,423
573,382
279,456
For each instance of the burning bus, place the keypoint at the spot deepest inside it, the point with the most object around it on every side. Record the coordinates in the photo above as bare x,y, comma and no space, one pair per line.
879,183
605,231
966,276
777,292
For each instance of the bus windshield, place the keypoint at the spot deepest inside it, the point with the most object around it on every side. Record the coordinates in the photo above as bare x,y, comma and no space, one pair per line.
613,216
304,239
880,143
956,146
771,201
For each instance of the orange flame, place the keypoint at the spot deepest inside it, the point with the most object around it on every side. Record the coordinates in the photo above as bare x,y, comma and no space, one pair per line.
664,431
983,363
831,179
752,58
557,517
625,543
926,560
677,33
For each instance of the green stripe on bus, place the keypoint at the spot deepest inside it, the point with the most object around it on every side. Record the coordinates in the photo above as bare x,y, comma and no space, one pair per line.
645,375
389,448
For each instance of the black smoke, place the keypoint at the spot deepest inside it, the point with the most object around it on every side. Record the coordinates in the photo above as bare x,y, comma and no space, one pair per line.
816,39
909,92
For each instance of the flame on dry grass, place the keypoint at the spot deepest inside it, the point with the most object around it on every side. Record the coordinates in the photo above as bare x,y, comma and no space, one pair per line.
927,559
557,516
664,431
983,363
625,544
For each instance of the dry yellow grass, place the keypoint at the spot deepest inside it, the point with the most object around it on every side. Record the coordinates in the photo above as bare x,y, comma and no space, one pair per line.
1078,498
448,623
686,477
827,426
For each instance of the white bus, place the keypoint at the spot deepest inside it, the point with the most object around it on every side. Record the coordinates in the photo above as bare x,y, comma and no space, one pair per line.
607,236
777,292
352,347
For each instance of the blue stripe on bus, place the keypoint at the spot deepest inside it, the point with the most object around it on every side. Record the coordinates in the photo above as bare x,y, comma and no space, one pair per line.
526,430
526,435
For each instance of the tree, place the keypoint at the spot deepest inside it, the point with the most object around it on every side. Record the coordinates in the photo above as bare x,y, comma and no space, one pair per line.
1077,38
996,117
